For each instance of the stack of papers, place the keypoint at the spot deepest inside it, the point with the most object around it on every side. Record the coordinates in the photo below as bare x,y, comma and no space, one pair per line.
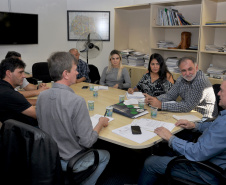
147,127
102,87
96,117
135,95
187,117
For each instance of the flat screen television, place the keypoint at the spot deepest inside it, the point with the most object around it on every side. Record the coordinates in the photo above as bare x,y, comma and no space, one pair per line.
18,28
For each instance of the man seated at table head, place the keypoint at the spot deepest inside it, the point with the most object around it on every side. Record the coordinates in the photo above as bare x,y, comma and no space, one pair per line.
82,67
64,115
193,87
211,146
13,104
30,90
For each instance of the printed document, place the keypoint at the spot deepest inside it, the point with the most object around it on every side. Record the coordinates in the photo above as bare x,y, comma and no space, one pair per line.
187,117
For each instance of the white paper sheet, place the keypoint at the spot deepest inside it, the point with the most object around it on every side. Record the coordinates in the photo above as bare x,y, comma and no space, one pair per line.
187,117
95,119
147,127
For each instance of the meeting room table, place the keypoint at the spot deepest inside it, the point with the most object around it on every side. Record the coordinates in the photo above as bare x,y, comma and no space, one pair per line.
109,97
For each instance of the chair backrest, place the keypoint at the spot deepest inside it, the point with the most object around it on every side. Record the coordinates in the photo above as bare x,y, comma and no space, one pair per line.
94,74
216,88
28,156
40,71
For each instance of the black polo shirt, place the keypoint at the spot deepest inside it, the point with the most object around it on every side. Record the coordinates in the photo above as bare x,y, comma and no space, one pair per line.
12,103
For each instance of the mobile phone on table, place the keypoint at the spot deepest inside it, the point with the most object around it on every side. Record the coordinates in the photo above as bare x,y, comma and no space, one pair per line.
135,129
85,87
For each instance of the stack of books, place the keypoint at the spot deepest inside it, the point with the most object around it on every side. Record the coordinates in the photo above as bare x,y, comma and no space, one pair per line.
215,22
216,72
166,44
136,61
170,17
171,63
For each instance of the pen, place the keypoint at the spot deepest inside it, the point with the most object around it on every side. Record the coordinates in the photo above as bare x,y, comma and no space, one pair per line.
105,113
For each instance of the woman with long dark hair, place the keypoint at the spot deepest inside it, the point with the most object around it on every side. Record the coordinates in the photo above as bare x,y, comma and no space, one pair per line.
157,81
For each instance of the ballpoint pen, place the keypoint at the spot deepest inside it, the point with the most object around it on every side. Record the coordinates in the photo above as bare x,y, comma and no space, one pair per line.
105,113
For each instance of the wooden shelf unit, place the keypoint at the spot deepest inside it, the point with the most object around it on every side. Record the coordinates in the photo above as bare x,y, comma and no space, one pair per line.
136,28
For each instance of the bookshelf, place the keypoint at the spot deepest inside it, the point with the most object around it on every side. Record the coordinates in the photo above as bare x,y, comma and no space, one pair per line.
136,28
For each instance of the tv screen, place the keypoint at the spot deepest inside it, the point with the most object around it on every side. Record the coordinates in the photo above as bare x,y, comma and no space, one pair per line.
18,28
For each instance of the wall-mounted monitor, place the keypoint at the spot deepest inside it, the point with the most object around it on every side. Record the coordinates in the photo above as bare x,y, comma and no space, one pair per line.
18,28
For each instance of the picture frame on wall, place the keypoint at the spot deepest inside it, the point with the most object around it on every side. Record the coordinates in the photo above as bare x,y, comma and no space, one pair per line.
80,22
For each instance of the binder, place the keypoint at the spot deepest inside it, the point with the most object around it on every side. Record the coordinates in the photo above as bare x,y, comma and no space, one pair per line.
128,110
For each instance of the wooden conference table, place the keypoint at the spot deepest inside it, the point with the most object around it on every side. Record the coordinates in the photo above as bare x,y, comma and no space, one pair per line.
110,97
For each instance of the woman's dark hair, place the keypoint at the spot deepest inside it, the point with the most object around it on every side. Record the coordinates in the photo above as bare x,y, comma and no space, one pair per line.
163,70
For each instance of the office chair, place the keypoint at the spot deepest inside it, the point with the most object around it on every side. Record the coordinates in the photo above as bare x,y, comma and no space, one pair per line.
29,156
40,71
219,173
94,74
216,88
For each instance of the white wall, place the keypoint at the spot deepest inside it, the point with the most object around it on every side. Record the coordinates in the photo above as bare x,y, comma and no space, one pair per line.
53,27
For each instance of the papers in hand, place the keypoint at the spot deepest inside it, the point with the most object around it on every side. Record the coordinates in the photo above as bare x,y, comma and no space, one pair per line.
136,95
147,127
187,117
96,117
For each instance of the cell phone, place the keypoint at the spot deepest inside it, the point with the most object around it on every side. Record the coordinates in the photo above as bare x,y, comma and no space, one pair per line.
85,87
135,129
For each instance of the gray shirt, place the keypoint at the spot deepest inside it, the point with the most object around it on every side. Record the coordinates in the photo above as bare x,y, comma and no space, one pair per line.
196,95
110,79
64,115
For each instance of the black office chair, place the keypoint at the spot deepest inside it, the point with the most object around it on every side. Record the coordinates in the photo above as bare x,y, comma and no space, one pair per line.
94,74
218,172
40,71
216,88
29,156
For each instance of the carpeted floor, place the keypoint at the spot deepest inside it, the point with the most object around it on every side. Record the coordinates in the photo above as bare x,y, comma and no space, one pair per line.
124,166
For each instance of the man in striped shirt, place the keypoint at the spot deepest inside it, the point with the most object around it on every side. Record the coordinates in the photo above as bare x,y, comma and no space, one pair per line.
194,89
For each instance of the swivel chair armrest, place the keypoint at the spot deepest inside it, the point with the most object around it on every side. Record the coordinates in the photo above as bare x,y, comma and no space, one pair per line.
78,177
205,165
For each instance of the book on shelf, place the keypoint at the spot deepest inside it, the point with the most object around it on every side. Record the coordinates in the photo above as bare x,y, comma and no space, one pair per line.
128,110
215,22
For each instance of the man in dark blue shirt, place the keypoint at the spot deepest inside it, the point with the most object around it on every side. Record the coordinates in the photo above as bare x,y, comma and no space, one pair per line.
211,146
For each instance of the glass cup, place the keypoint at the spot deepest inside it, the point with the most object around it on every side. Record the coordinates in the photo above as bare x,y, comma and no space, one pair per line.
154,112
109,111
91,87
141,104
95,92
121,98
90,105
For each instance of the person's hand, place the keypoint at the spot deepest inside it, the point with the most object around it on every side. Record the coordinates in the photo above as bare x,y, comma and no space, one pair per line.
153,101
147,98
163,133
103,121
115,86
42,88
185,124
130,91
42,85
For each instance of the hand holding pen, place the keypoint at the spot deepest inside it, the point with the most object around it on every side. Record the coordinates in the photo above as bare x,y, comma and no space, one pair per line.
131,90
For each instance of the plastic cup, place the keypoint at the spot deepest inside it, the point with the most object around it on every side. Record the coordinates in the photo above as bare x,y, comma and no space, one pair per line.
154,112
121,98
52,82
109,111
91,87
90,105
141,104
95,92
39,82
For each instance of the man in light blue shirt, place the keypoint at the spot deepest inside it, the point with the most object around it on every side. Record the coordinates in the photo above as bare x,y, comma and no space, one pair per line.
211,146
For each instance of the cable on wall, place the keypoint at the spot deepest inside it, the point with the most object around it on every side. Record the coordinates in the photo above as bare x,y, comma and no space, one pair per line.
9,5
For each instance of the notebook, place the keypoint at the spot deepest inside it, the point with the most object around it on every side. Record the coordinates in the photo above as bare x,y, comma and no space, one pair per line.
187,117
128,110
